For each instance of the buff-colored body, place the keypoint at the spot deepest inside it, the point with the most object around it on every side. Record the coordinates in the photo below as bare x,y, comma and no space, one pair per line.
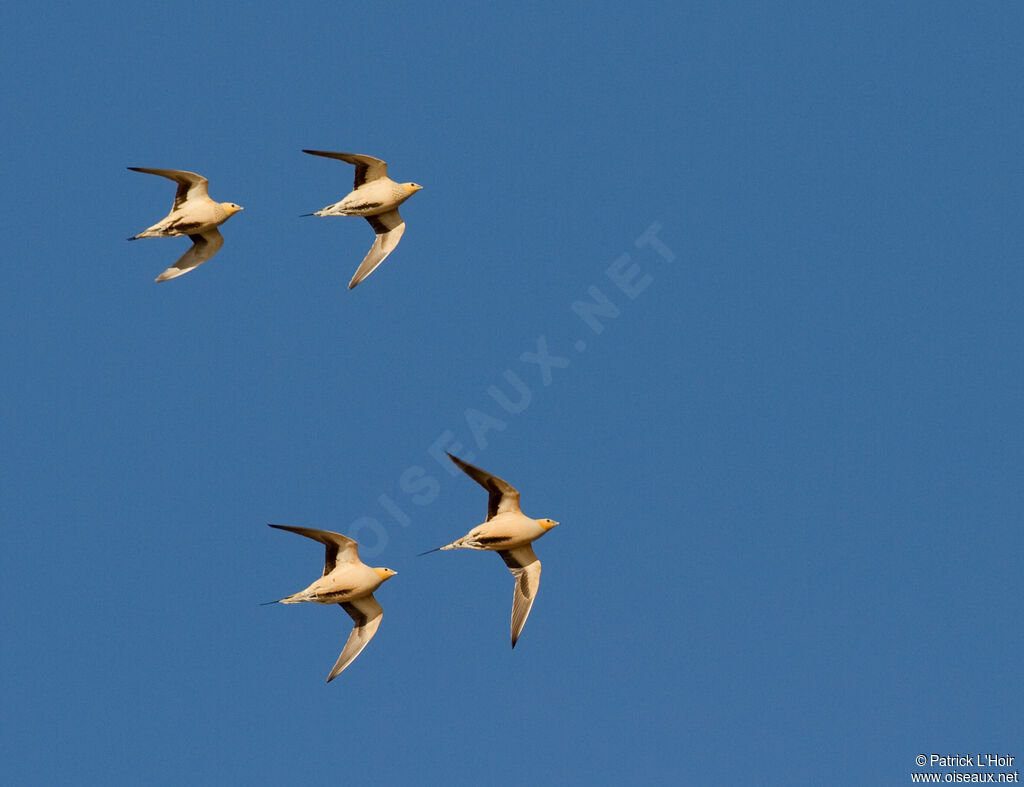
508,530
373,198
345,583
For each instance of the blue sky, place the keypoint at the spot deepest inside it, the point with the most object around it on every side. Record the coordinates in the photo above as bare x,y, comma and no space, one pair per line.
787,470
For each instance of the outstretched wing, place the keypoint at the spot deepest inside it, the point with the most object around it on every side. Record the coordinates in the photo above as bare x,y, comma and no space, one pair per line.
389,228
340,549
525,567
189,183
367,614
203,247
367,167
502,496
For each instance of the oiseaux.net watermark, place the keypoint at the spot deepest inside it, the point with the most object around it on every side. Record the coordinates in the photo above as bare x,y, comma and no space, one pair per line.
590,311
965,768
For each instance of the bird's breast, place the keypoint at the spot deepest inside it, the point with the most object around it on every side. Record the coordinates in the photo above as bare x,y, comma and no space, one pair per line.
352,580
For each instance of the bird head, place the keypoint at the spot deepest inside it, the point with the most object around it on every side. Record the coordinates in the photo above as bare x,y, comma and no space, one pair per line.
385,573
412,188
547,524
230,208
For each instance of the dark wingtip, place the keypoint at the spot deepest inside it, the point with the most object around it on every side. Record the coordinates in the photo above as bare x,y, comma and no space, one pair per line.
268,603
131,238
435,549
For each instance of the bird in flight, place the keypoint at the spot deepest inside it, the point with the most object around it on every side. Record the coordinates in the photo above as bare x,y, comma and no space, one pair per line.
193,214
376,198
346,581
511,534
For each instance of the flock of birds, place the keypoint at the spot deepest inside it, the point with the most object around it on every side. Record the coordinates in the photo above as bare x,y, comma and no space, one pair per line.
346,580
374,196
350,582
